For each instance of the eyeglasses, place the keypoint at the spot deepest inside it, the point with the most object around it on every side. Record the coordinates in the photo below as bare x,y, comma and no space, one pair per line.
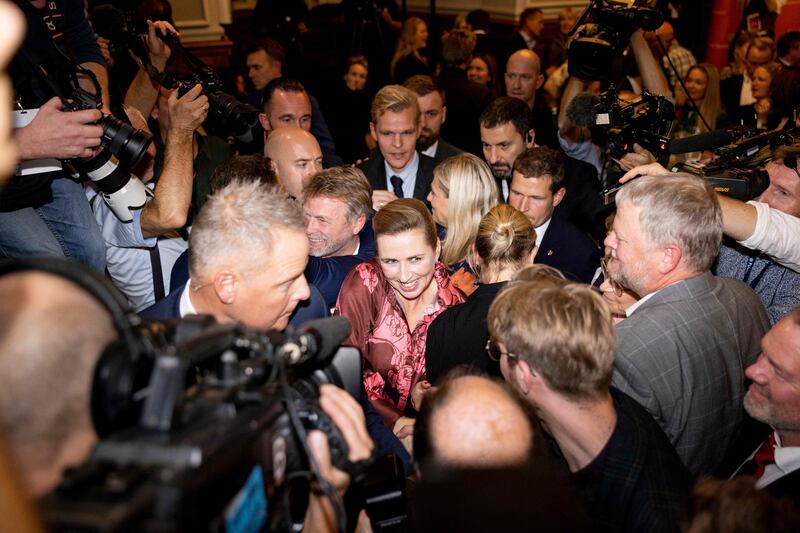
617,288
494,352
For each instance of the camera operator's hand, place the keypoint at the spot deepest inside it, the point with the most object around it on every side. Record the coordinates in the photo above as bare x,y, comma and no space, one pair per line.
159,52
639,157
348,416
187,112
652,169
58,134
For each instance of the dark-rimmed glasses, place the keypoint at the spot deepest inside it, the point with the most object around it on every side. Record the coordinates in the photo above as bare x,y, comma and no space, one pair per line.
494,352
617,288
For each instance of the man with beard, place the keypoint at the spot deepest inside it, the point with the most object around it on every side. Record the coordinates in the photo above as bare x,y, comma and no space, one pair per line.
431,103
338,205
774,399
683,348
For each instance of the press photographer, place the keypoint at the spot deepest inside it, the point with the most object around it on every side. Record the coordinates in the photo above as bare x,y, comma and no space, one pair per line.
43,212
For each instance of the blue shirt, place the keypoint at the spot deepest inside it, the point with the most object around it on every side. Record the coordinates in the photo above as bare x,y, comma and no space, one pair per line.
408,175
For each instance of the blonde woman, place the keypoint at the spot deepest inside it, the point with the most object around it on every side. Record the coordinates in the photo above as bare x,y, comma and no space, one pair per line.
702,86
407,60
462,192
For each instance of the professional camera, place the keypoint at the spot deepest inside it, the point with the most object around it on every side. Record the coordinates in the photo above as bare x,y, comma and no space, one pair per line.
593,52
219,441
122,146
225,112
737,169
645,120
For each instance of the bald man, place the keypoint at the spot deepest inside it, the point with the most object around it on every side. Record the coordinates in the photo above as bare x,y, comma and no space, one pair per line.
523,80
53,334
295,157
472,422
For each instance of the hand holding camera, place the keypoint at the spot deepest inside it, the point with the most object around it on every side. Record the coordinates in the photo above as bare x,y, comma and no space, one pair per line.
77,134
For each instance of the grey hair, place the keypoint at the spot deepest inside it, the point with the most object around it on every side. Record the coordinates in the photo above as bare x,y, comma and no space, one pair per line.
236,223
680,209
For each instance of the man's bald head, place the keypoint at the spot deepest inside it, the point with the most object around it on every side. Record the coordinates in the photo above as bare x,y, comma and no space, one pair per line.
51,336
523,76
473,422
296,157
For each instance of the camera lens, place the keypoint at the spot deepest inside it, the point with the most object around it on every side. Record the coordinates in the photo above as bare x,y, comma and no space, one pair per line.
124,141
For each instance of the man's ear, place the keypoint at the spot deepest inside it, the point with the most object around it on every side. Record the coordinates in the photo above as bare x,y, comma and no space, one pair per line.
264,121
558,196
225,286
530,138
539,82
372,131
444,113
670,259
358,225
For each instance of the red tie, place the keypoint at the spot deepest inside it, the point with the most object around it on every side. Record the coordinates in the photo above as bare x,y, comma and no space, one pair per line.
765,455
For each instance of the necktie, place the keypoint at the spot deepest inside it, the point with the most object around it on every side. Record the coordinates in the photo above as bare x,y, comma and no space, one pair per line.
397,186
765,455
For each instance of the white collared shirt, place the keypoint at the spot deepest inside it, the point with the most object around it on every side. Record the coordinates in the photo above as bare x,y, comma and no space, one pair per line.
635,305
408,175
540,231
431,150
186,307
787,460
530,41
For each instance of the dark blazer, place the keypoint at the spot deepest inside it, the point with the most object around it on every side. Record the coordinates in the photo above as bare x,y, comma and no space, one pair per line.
458,336
465,102
444,150
375,171
169,307
568,249
787,487
328,273
582,204
729,92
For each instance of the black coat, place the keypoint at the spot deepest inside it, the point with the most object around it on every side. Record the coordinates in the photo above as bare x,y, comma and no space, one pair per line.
375,170
465,102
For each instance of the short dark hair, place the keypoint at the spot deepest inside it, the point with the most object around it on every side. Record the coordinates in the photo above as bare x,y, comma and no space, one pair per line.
243,168
423,85
457,46
507,109
479,19
541,161
273,49
288,85
786,42
529,13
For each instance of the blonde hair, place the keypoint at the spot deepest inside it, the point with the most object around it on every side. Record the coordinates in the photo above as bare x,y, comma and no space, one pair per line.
394,98
505,237
564,332
471,191
406,42
711,105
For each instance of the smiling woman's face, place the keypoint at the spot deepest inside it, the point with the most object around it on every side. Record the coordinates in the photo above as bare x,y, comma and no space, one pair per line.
407,262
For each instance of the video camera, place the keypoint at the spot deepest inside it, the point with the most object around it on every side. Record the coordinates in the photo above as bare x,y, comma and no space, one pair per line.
593,52
737,169
217,441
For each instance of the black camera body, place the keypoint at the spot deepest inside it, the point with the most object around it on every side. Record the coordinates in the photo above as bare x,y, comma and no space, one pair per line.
645,120
593,53
219,445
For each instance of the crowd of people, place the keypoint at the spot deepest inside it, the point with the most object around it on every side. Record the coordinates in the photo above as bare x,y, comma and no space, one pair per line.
515,332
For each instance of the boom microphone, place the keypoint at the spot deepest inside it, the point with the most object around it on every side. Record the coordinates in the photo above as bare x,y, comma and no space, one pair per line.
581,110
317,340
701,142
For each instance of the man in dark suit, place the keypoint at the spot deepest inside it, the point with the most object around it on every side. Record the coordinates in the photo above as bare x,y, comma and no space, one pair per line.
466,99
248,253
555,343
537,187
397,169
774,399
523,79
338,205
531,24
431,100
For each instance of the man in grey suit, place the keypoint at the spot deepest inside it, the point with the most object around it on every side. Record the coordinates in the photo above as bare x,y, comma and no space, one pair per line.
684,345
